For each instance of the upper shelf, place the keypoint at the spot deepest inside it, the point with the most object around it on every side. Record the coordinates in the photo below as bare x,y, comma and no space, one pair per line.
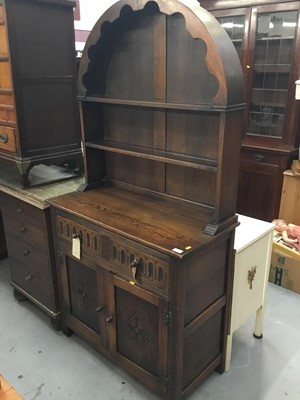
184,160
156,104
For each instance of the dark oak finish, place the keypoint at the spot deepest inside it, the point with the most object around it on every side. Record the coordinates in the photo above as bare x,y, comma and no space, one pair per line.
270,62
39,117
30,250
144,250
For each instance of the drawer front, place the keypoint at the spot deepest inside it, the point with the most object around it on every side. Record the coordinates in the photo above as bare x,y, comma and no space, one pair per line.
26,277
29,257
24,213
7,109
29,234
7,139
122,255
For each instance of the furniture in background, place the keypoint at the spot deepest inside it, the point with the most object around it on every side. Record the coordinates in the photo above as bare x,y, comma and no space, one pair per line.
39,117
144,257
267,40
290,198
28,233
252,258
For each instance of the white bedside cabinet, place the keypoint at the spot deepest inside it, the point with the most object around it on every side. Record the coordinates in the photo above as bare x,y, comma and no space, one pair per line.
253,249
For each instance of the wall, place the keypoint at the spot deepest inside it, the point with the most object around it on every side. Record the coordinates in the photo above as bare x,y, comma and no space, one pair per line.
90,12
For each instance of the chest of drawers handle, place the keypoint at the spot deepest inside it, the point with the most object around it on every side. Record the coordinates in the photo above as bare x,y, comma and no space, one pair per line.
28,277
25,252
258,157
3,138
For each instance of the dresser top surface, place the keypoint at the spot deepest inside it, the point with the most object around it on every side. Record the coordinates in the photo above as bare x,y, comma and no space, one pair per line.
152,221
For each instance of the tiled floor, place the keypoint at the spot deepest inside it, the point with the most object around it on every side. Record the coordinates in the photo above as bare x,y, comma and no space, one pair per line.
43,364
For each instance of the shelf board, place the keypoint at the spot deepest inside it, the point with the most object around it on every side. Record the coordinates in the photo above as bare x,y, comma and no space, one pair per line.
151,104
154,154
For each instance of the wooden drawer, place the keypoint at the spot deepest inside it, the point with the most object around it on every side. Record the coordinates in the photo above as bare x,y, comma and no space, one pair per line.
117,253
28,256
29,233
7,138
25,276
24,213
3,39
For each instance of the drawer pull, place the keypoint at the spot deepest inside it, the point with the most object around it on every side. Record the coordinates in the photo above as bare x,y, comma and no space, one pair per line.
109,319
25,252
258,157
134,265
23,229
3,138
19,210
28,277
98,309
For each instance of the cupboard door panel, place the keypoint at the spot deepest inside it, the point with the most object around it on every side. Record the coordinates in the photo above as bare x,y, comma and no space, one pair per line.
140,333
84,293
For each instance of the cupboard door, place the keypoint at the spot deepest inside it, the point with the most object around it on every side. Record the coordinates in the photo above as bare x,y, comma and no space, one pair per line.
83,303
138,336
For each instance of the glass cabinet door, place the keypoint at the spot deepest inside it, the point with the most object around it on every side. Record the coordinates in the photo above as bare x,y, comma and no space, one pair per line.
234,26
271,68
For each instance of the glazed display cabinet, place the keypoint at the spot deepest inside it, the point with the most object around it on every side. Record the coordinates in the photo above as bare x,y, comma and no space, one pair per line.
39,118
267,39
144,251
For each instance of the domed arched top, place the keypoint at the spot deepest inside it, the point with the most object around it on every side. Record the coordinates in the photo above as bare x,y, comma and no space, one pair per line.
180,36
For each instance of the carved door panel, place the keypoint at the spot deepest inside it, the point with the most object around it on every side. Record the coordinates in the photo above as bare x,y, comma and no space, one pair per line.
139,332
84,302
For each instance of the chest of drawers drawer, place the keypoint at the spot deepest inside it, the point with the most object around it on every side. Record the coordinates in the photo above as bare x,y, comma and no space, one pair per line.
121,255
7,139
26,277
27,232
29,256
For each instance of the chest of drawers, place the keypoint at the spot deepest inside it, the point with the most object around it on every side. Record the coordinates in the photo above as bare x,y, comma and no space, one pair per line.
28,235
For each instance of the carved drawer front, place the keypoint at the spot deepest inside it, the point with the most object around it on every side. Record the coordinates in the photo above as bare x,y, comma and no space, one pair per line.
28,256
7,138
138,265
132,261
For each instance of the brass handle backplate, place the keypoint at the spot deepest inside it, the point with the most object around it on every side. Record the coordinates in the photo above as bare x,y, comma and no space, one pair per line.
3,138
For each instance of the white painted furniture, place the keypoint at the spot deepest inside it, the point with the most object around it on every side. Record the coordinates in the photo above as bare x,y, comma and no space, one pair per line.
253,249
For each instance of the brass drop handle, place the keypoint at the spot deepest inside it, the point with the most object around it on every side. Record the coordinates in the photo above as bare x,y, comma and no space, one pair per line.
3,138
28,277
108,319
133,265
98,309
